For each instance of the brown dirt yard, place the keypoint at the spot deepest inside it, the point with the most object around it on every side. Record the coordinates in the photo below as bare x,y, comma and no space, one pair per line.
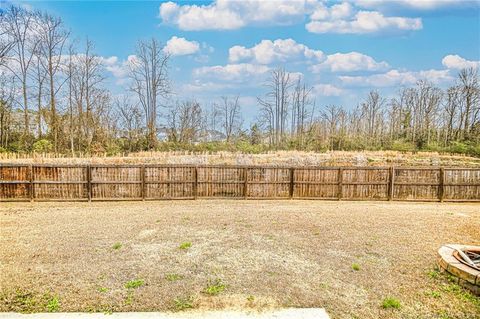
227,254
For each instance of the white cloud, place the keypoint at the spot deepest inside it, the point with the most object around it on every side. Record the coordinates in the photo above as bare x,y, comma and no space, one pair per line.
395,78
180,46
229,15
360,23
243,72
268,51
416,4
349,62
327,90
457,62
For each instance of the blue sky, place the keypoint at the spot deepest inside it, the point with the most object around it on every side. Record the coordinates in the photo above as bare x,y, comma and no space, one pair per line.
341,48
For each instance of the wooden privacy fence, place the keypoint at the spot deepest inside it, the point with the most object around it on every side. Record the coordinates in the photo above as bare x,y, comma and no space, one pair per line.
150,182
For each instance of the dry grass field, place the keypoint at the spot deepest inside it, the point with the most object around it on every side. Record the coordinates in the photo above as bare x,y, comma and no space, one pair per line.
210,254
276,158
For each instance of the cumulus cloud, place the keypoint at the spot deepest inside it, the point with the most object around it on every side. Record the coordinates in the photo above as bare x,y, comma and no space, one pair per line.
349,62
229,15
416,4
327,90
394,78
324,20
457,62
243,72
180,46
267,52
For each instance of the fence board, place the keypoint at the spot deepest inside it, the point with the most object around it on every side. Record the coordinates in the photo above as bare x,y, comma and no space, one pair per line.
152,182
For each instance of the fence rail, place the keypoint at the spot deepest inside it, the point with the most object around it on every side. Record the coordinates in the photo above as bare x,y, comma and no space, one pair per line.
153,182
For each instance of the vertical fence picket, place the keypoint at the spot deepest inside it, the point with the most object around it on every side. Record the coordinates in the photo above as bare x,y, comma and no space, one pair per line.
89,183
32,186
391,183
245,182
340,183
441,188
292,182
195,182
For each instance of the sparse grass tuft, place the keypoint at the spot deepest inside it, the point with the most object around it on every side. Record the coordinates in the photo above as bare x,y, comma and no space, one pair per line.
434,273
433,293
185,245
102,289
214,287
355,266
250,298
133,284
173,277
53,304
117,246
391,303
182,303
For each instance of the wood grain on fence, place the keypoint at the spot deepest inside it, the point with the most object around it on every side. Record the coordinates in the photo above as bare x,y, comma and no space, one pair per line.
151,182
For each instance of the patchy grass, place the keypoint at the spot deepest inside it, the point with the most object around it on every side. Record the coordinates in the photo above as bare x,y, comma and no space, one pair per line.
174,277
355,266
182,303
185,245
391,303
134,284
117,246
102,289
214,287
53,304
302,266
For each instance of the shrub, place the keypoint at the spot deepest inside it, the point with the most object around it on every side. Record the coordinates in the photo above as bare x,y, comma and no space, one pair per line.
403,146
42,146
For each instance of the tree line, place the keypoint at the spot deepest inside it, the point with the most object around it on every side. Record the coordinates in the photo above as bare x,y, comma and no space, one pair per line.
54,98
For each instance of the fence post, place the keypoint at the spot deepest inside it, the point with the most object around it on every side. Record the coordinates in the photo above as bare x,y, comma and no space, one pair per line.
391,183
441,186
32,186
245,182
195,183
142,175
292,182
89,182
340,183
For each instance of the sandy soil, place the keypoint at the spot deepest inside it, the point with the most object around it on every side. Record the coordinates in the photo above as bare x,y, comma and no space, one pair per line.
264,254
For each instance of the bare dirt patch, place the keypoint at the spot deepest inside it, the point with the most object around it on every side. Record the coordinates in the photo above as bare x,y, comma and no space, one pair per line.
134,256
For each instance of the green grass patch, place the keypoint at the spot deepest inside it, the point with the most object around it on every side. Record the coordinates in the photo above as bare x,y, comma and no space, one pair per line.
173,277
185,245
182,303
134,284
355,266
117,246
102,289
214,287
53,304
433,293
391,303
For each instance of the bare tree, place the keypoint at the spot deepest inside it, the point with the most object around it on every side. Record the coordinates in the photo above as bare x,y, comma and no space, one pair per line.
20,25
275,105
52,39
130,117
302,111
229,112
149,74
185,122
